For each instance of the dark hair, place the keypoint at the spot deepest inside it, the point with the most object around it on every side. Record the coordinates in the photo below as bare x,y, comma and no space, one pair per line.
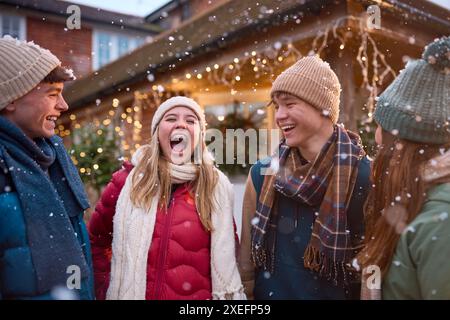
59,74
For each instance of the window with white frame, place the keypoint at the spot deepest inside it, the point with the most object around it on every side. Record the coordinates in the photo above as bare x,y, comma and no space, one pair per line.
12,25
124,44
109,46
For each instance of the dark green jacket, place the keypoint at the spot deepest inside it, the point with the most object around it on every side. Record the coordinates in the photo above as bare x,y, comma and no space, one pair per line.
420,267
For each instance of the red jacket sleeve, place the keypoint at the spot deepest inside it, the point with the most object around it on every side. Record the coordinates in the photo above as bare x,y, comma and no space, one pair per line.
101,229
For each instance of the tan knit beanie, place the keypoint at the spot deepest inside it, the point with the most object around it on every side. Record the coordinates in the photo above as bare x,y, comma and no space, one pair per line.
312,80
23,65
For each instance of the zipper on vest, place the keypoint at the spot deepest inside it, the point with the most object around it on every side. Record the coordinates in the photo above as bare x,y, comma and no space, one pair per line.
163,250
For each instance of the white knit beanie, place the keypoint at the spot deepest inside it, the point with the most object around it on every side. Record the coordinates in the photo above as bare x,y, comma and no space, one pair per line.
23,65
178,101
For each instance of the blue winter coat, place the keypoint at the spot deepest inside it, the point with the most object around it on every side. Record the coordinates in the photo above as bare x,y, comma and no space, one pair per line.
17,274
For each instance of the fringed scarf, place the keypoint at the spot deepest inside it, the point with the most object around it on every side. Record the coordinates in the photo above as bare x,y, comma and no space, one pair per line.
328,183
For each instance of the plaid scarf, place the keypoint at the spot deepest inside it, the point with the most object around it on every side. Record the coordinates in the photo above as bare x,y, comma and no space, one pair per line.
328,182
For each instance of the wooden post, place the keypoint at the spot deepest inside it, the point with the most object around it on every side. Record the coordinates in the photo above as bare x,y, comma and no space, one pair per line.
343,65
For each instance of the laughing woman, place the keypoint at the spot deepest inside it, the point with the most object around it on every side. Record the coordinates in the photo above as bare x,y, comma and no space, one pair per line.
163,228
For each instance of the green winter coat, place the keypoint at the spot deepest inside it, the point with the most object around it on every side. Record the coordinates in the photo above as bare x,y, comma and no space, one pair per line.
420,267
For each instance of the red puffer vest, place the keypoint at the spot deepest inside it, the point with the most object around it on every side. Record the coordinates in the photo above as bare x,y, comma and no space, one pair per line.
178,265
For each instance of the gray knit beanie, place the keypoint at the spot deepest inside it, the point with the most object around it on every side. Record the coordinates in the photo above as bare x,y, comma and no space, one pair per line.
23,65
416,106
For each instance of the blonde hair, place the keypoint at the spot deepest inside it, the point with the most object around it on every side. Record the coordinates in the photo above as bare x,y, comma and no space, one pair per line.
152,177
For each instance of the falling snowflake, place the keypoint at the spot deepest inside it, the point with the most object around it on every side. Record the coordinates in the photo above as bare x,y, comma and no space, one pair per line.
431,59
355,264
277,45
187,224
275,164
443,216
186,286
63,293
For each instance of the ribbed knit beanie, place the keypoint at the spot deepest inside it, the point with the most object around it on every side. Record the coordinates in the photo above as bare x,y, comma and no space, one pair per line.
23,65
416,105
178,101
312,80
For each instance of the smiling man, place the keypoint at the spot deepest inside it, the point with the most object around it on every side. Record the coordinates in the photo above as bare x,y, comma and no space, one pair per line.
44,245
302,226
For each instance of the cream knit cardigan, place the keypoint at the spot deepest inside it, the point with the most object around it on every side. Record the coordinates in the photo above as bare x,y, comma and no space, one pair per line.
132,234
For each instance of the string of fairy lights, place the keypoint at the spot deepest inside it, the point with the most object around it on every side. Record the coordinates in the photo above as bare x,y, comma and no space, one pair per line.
371,60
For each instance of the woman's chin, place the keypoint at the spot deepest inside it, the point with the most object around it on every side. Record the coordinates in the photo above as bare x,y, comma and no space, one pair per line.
180,157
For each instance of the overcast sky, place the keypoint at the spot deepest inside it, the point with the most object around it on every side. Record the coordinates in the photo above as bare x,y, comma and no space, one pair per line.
144,7
135,7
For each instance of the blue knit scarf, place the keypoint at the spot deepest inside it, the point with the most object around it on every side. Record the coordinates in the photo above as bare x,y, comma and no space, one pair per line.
51,195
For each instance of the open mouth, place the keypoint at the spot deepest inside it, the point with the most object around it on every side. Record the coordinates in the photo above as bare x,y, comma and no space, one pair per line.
178,142
52,120
287,128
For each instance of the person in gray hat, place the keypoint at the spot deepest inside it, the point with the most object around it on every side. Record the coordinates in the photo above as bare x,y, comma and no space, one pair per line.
407,225
44,244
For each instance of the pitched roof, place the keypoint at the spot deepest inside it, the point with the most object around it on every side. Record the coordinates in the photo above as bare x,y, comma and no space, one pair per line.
154,16
88,13
204,33
209,32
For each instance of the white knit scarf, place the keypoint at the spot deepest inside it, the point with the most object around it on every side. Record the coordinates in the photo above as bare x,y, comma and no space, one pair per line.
133,231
